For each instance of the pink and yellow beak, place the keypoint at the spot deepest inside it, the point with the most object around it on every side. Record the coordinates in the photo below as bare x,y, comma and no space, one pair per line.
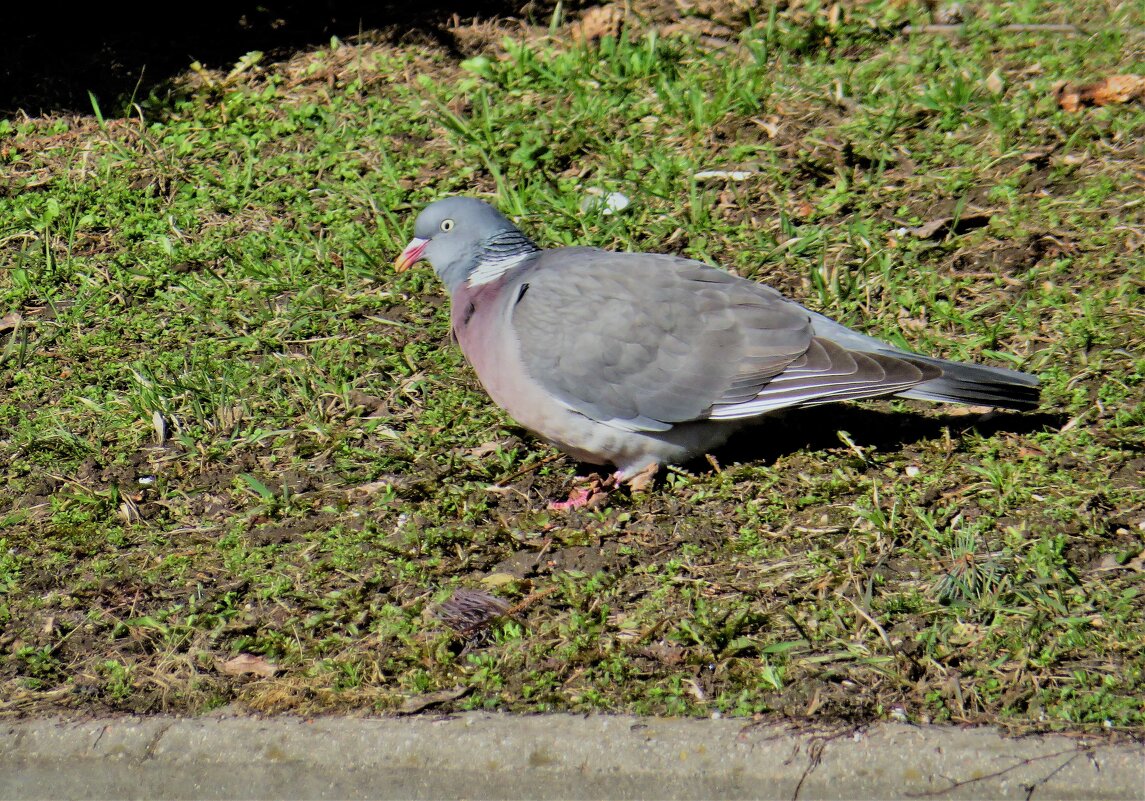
411,255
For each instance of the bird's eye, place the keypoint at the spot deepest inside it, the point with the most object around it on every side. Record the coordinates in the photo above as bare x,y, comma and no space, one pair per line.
447,225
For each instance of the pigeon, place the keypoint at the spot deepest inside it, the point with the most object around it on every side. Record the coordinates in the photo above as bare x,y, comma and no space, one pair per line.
639,360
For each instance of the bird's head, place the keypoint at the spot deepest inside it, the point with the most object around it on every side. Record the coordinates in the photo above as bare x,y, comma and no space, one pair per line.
457,235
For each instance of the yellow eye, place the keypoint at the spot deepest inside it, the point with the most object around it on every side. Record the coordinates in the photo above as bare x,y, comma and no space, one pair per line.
447,225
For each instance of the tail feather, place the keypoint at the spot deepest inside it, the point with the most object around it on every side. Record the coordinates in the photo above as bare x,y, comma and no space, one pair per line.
977,384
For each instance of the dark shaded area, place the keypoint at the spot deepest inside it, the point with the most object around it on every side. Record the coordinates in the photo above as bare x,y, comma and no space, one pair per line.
816,429
52,57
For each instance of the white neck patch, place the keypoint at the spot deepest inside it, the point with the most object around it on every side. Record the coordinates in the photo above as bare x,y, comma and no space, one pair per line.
492,269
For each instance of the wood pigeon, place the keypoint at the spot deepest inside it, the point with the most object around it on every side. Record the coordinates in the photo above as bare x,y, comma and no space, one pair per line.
640,359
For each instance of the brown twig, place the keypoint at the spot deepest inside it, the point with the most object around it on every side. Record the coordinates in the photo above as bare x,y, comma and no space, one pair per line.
529,600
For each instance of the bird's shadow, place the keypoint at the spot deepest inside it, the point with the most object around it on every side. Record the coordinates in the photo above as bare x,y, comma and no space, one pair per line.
871,429
876,429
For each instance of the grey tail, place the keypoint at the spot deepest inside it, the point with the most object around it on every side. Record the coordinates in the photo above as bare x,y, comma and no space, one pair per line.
976,384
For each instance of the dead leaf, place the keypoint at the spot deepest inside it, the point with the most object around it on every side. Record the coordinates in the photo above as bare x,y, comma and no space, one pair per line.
420,702
246,663
665,653
1108,91
995,83
1068,98
368,490
229,416
369,404
598,22
10,321
1118,89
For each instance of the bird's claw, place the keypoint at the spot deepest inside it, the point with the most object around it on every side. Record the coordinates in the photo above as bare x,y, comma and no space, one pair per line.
590,496
597,490
642,480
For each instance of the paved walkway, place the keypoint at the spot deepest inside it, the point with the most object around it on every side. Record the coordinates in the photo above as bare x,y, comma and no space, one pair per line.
479,755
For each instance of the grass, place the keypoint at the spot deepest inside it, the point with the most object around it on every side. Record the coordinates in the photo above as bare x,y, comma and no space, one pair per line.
229,428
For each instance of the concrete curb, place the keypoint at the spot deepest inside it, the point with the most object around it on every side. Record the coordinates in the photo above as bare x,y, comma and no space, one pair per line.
479,755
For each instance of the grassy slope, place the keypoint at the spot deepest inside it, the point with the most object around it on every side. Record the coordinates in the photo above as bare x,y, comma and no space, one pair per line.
228,428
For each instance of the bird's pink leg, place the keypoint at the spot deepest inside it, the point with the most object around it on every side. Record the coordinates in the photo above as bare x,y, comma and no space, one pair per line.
592,494
597,490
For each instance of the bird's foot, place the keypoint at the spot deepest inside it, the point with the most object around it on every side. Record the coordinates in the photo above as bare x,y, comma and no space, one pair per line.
597,490
642,479
593,494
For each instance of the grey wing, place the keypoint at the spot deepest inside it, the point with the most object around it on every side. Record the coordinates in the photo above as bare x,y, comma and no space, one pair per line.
643,342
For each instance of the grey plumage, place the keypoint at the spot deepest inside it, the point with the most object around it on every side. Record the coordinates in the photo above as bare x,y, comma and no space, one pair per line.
635,359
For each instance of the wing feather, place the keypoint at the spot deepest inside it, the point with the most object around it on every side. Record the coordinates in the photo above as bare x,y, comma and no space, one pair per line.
645,341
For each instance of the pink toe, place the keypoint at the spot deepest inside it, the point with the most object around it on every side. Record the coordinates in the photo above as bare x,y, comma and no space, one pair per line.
577,499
